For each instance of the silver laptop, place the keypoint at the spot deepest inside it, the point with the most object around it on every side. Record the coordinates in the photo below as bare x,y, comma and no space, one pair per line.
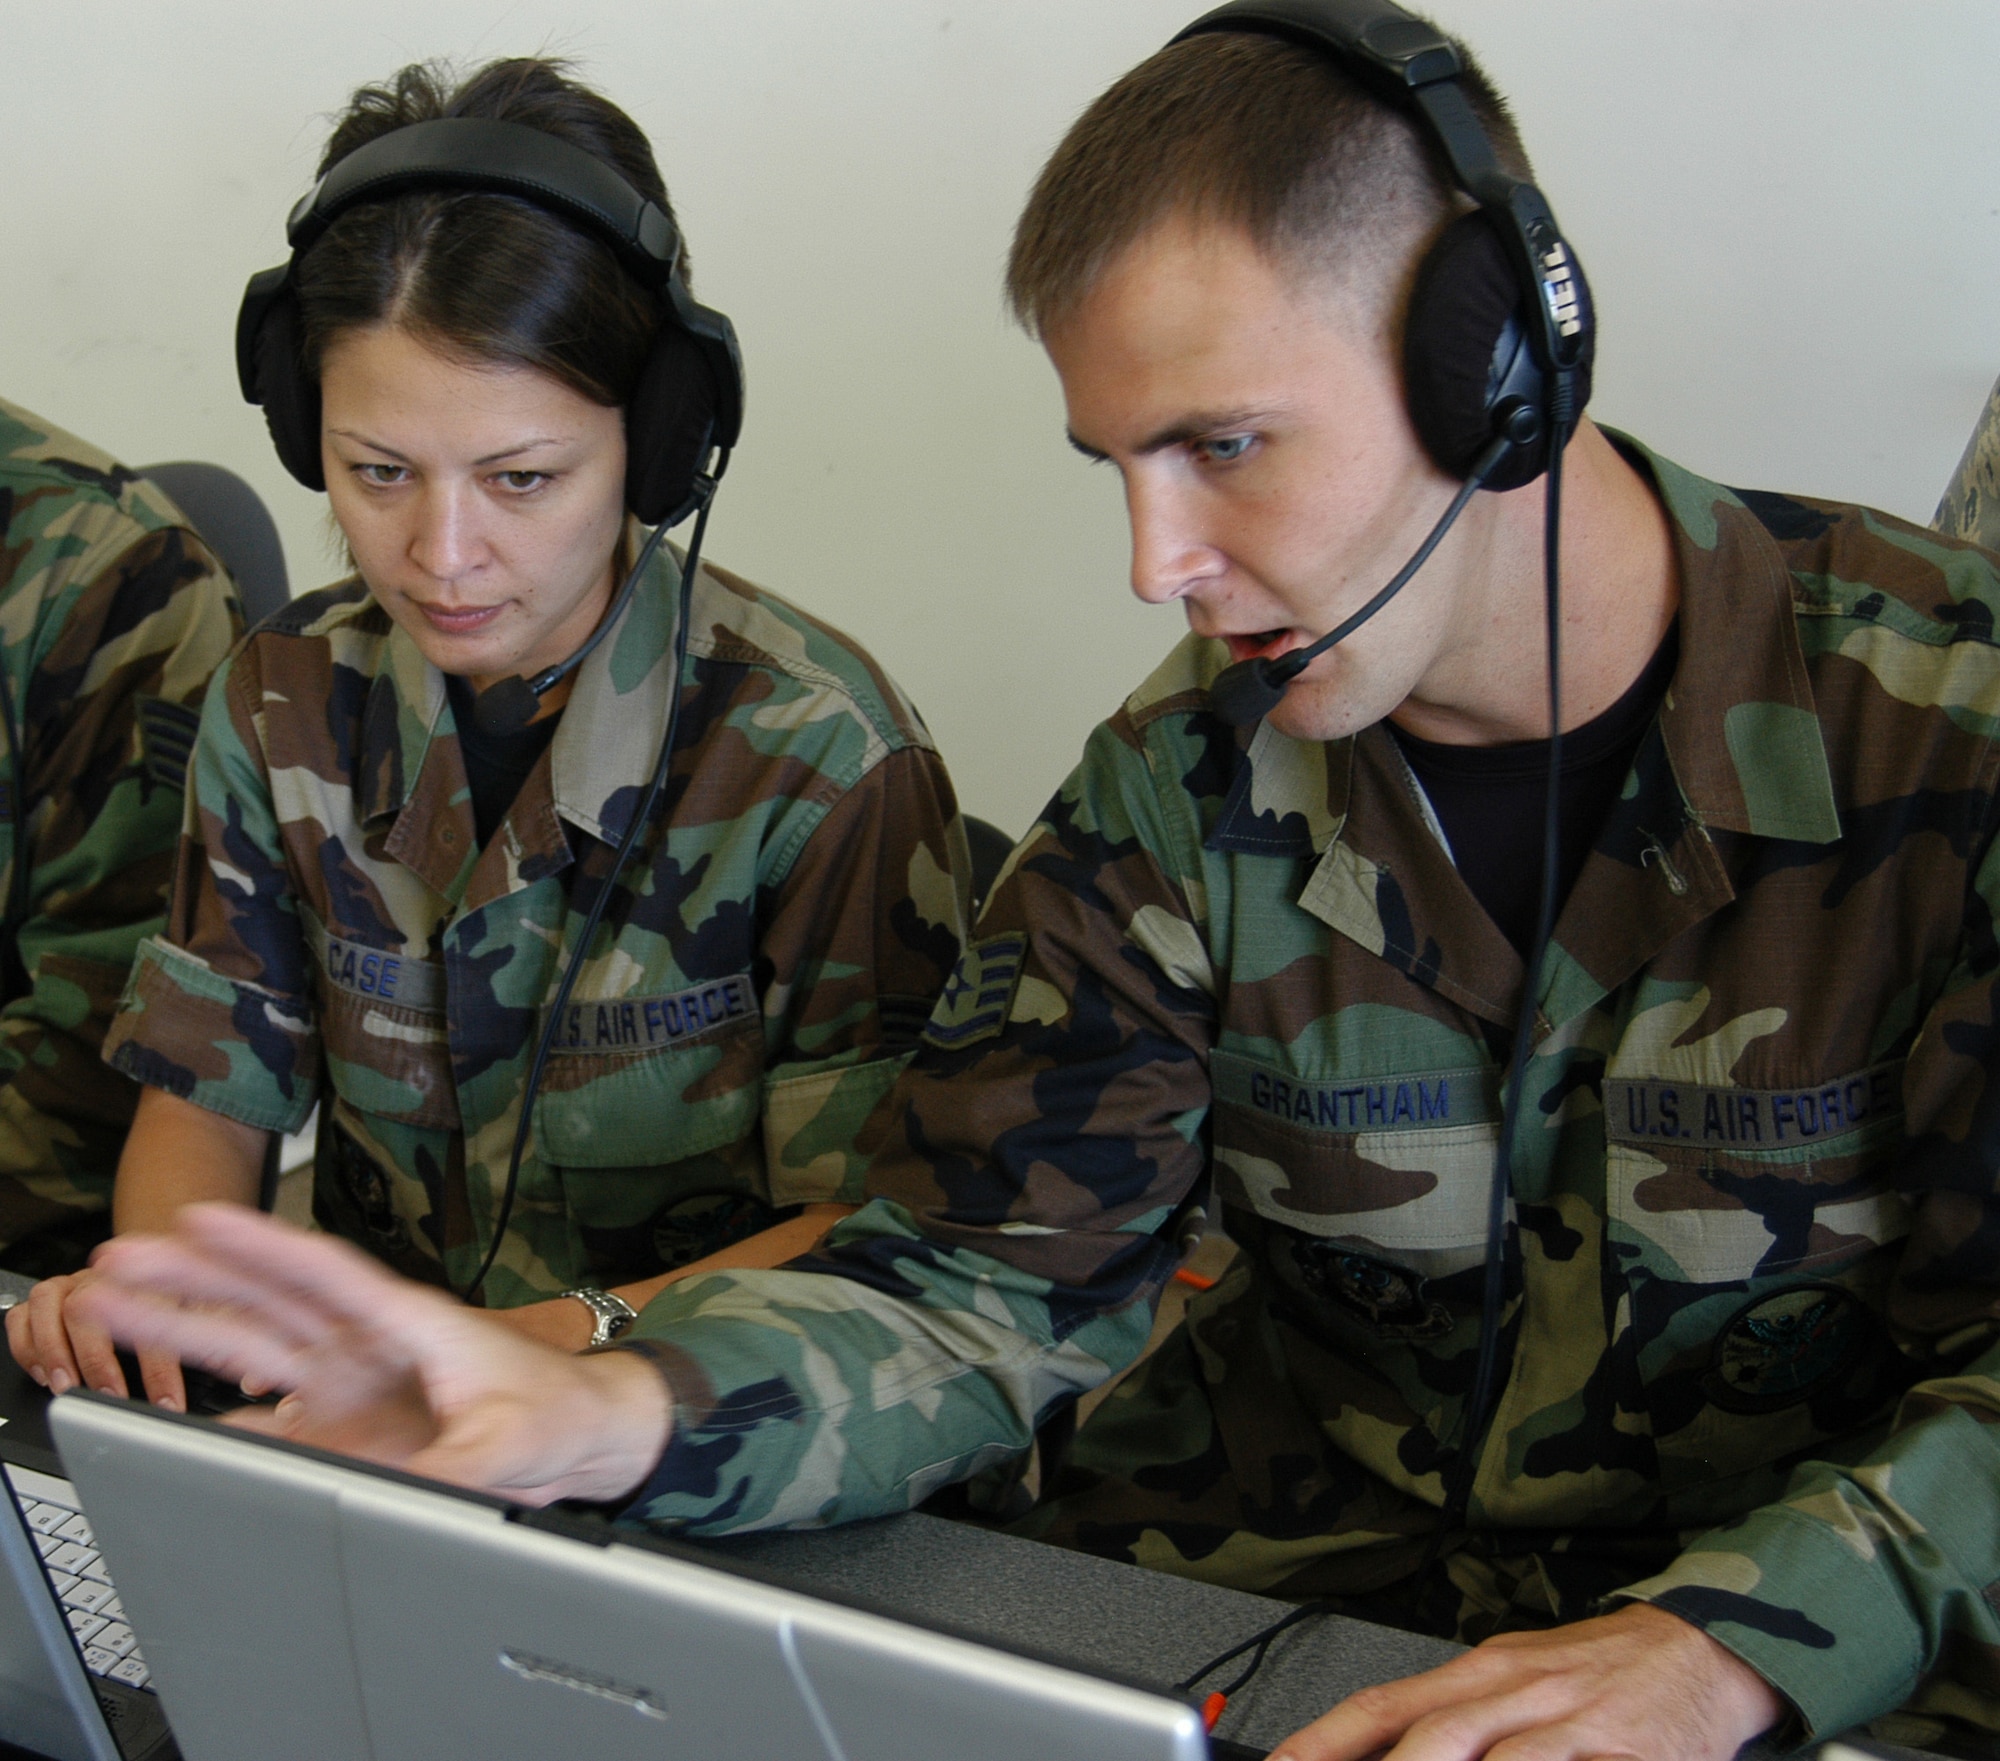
297,1604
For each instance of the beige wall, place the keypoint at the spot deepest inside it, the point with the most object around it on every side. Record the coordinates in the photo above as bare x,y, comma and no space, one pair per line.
1788,206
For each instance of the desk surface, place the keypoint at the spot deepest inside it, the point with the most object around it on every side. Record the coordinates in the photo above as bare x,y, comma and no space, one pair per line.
1102,1616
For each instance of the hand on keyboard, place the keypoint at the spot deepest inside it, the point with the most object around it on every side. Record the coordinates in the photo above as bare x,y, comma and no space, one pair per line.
63,1350
378,1366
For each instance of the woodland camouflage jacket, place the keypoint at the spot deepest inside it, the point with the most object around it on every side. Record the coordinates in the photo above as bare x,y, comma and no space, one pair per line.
112,617
337,934
1753,1254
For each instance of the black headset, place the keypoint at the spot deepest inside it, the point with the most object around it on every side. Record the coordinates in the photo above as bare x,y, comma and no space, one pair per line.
1498,344
680,423
689,399
1500,332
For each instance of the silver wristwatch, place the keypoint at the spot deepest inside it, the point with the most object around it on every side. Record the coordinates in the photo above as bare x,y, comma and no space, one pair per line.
614,1314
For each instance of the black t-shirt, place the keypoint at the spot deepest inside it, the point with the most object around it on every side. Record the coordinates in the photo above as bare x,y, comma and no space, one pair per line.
496,765
1489,799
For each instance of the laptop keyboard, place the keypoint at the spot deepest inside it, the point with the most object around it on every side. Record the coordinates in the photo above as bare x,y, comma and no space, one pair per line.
69,1555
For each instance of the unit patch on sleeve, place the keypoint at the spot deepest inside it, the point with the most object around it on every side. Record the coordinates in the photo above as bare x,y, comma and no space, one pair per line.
976,999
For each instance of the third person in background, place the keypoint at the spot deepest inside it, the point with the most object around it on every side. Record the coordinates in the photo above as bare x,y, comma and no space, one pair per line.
113,614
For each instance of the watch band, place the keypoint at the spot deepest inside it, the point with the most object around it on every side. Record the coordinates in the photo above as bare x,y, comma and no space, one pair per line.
613,1314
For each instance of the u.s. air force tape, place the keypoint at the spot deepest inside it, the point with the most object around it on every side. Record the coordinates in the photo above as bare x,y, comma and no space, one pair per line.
375,973
638,1024
1749,1118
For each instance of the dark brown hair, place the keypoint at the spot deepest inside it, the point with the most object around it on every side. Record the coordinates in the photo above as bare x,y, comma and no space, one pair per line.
494,278
1248,131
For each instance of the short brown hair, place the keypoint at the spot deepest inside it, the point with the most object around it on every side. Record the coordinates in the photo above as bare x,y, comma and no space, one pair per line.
1250,131
491,277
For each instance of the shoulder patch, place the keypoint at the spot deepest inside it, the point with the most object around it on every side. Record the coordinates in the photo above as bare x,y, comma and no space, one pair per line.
166,739
975,1001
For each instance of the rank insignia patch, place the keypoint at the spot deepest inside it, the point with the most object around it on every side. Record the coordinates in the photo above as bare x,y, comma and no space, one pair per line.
974,1003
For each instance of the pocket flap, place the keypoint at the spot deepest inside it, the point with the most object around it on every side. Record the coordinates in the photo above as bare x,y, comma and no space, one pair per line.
653,1108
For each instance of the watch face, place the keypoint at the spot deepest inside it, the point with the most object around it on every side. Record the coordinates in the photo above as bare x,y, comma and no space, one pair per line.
614,1314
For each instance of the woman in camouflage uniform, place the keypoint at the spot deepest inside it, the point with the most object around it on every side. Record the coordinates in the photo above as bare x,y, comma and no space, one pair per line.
376,900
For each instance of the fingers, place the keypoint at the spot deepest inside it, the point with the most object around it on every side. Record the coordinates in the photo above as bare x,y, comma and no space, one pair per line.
58,1347
266,1421
1378,1720
1524,1725
1637,1683
183,1268
293,1268
21,1342
228,1343
160,1374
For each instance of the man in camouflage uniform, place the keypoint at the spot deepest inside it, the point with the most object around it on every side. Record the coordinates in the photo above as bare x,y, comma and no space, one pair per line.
1971,505
753,989
112,617
1750,1333
1757,1161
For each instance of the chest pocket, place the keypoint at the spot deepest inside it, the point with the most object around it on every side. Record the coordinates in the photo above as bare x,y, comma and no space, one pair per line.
1713,1185
1396,1168
644,1082
382,1026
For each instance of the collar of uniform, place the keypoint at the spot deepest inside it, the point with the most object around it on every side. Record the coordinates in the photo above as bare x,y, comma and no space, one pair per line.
609,740
1383,877
401,770
405,699
1741,728
1743,744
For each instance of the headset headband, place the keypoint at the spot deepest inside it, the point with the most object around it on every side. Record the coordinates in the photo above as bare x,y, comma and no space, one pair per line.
505,158
1410,63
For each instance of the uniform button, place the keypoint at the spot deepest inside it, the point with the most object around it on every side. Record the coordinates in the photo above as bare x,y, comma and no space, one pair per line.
446,835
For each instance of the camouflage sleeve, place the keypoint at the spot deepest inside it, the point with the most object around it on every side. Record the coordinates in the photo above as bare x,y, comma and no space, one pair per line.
123,617
218,1009
1028,1167
1872,1576
864,930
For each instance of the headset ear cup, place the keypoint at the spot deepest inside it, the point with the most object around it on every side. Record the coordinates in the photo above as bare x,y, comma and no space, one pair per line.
290,399
669,426
1465,353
